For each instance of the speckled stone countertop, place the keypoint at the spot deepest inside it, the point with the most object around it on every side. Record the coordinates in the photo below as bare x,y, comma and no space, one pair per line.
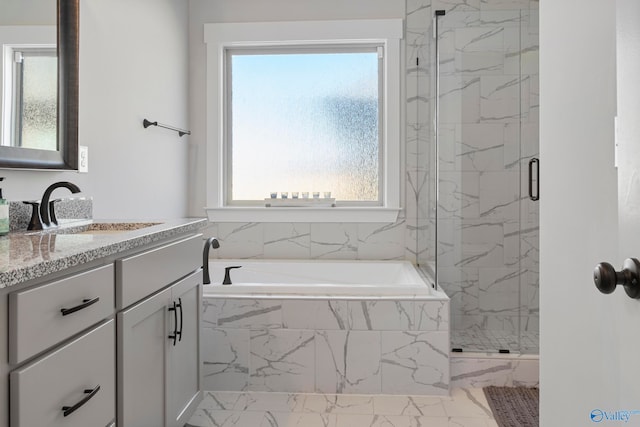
29,255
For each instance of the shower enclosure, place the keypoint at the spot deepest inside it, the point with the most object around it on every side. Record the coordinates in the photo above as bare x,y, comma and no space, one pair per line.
472,89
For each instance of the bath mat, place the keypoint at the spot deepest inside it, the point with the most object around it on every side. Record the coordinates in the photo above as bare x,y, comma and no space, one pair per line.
514,406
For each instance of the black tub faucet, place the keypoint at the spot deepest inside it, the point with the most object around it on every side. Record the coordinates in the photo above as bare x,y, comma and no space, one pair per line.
227,274
212,242
45,206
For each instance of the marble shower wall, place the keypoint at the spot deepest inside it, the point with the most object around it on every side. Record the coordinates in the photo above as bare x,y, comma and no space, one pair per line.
326,346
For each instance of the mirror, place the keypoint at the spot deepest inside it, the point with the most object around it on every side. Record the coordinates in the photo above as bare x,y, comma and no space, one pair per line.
61,152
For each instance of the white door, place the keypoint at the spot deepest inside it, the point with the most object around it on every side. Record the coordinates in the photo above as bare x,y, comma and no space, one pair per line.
590,342
627,312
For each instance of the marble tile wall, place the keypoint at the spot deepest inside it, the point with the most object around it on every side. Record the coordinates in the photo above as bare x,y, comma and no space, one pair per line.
326,346
365,241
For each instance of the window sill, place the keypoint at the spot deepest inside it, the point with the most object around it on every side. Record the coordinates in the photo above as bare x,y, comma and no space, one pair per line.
304,214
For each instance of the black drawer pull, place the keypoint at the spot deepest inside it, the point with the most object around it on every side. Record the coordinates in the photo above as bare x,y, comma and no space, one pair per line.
68,410
181,321
85,303
174,336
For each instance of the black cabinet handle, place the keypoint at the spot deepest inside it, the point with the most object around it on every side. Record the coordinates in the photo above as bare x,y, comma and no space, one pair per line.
181,321
85,303
535,161
68,410
174,336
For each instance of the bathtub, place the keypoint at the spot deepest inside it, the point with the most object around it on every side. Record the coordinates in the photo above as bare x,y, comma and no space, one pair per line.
320,279
364,327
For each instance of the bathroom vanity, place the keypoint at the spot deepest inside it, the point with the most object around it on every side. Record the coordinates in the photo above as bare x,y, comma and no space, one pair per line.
101,324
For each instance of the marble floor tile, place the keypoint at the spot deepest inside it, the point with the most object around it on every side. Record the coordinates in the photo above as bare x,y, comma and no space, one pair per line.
465,402
463,408
422,406
291,419
214,418
339,403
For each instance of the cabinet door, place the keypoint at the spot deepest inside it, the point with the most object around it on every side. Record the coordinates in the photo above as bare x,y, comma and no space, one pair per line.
143,332
184,357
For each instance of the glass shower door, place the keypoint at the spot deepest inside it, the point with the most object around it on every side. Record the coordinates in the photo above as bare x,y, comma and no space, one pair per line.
478,122
530,171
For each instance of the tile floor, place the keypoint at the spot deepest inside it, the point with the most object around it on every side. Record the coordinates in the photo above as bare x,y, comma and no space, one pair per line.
464,408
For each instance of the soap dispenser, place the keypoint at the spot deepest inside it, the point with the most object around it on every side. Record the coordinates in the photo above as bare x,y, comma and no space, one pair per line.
4,214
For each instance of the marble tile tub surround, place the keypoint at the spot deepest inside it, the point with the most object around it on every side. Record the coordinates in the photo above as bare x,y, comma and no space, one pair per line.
30,255
326,346
341,241
464,408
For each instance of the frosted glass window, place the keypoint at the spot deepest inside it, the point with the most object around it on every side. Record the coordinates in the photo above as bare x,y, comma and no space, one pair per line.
35,99
305,122
39,102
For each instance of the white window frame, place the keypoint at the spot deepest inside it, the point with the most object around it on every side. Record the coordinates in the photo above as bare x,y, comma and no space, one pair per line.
219,37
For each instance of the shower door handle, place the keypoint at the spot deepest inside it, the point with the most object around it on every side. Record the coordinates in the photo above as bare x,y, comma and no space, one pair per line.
535,161
607,278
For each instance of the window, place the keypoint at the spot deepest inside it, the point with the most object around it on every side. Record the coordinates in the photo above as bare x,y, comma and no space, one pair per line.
303,117
31,95
303,107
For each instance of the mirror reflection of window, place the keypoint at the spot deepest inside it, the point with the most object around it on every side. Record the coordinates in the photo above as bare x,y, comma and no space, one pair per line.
34,98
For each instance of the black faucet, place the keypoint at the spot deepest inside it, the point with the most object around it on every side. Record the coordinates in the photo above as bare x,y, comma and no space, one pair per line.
45,208
211,242
227,274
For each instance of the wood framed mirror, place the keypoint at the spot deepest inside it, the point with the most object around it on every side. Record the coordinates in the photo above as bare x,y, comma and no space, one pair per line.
63,154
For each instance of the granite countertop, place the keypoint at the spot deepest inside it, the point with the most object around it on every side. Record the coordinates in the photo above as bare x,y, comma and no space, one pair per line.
28,255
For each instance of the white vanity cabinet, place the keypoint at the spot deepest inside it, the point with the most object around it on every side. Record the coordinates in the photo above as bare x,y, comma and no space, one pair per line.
110,340
159,336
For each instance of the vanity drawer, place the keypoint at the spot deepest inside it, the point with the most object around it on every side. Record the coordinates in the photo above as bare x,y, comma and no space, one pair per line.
36,317
64,378
141,275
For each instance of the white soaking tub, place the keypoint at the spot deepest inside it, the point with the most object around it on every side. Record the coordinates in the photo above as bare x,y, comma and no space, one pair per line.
320,279
364,327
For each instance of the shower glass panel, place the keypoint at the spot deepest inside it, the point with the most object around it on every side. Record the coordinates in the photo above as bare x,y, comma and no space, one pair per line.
483,135
529,219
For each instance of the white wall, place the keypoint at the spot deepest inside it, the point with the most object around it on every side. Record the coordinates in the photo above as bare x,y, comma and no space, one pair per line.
578,215
28,12
133,65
